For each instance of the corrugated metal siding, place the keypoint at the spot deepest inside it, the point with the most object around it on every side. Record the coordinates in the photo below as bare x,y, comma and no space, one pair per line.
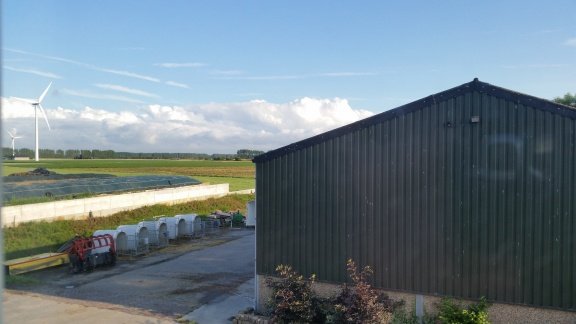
434,203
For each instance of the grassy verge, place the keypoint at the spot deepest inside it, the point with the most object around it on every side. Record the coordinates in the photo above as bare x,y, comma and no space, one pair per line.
235,183
40,237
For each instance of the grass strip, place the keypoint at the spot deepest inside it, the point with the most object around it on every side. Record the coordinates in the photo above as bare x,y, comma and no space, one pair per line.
41,237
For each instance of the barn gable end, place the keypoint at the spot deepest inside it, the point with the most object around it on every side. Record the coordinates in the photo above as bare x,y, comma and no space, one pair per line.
469,192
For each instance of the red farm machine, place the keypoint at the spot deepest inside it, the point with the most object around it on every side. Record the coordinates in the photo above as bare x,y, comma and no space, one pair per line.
87,253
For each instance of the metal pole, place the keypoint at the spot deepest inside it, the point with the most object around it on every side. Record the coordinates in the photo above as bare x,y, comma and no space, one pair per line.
36,154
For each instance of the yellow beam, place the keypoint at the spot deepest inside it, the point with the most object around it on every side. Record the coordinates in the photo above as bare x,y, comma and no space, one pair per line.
35,262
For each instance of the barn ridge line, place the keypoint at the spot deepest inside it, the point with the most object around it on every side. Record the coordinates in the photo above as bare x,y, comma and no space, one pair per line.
473,86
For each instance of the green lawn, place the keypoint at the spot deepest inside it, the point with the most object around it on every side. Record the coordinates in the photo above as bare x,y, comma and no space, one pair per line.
235,183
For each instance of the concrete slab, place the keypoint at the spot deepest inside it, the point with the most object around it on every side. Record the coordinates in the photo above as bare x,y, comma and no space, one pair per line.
229,305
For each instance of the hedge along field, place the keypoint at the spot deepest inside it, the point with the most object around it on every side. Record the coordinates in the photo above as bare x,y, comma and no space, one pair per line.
240,174
40,237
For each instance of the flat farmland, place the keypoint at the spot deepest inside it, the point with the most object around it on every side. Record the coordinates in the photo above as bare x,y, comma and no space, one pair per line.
239,174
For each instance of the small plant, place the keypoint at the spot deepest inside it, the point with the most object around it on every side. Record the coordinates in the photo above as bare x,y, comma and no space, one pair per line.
361,303
238,220
292,299
452,313
400,316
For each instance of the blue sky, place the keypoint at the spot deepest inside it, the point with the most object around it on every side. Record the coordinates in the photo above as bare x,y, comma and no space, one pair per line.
174,75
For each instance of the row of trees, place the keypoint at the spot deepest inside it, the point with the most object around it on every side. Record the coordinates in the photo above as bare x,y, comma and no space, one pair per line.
110,154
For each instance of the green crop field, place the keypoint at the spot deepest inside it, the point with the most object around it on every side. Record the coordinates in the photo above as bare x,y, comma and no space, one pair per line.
239,174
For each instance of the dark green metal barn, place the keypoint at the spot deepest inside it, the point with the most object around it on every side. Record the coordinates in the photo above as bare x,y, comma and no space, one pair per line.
469,192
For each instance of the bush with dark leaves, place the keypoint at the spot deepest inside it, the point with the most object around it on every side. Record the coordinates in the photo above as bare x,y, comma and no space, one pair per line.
360,303
292,299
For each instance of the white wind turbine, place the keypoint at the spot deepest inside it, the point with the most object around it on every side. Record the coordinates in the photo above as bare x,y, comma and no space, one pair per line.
37,105
13,136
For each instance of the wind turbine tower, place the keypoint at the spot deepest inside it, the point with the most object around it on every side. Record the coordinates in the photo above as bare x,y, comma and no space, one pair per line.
13,136
37,104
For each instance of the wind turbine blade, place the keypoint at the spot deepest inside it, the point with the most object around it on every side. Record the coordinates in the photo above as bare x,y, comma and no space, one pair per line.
11,135
45,117
17,136
44,93
30,101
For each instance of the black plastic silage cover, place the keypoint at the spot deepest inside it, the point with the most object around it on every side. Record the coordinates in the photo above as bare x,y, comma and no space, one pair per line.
70,187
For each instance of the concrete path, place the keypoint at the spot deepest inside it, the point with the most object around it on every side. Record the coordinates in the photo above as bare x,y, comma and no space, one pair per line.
208,285
228,306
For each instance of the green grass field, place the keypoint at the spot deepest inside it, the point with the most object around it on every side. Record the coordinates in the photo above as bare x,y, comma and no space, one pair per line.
239,174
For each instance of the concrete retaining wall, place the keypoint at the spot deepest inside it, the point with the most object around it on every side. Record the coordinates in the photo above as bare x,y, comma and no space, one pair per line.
244,192
108,204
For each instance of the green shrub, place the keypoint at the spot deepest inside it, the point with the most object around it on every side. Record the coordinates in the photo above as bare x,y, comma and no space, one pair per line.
452,313
292,299
238,220
402,317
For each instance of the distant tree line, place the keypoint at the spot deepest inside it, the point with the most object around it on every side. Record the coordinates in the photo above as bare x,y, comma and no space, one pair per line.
248,154
110,154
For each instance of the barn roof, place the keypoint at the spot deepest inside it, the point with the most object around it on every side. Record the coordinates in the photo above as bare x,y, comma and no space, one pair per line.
474,85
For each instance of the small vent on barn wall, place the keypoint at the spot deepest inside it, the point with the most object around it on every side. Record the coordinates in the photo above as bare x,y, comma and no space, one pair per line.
474,119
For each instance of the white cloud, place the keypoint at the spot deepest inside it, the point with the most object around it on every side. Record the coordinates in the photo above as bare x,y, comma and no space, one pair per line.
534,66
181,65
209,128
546,31
570,42
124,89
347,74
226,72
177,84
127,74
88,66
33,71
14,108
53,58
231,76
132,48
264,77
92,95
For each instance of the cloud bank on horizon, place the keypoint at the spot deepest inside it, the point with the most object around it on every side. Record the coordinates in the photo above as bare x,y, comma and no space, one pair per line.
203,128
